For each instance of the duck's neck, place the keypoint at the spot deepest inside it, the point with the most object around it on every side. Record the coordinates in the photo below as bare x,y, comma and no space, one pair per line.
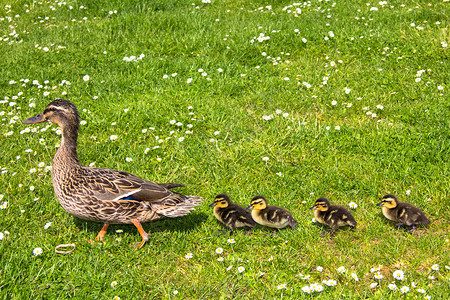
67,152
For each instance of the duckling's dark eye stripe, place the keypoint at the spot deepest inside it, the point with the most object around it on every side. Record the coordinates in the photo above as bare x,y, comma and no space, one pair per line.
256,203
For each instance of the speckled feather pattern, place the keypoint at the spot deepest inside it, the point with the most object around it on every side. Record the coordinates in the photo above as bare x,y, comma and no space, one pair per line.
106,195
96,194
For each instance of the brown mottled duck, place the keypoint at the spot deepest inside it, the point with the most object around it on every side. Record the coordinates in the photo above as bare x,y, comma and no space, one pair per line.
105,195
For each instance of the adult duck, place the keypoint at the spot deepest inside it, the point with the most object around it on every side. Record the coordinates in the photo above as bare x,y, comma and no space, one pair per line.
105,195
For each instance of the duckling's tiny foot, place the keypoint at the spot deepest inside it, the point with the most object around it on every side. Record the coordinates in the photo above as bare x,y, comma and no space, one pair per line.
399,225
413,229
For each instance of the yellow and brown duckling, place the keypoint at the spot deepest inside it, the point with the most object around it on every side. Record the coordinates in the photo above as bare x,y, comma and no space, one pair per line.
230,214
403,213
271,216
332,215
105,195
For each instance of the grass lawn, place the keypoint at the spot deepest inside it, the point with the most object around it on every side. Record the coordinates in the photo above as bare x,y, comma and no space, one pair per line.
294,101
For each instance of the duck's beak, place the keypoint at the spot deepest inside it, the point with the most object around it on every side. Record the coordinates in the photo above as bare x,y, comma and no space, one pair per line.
36,119
379,204
212,204
250,207
313,207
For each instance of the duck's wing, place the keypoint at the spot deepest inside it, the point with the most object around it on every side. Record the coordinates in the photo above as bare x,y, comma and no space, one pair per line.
113,185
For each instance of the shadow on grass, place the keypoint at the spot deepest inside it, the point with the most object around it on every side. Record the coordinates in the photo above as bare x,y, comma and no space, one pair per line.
326,230
180,224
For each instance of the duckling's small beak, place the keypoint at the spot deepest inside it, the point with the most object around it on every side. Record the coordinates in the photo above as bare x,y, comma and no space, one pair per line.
313,207
379,204
36,119
212,204
250,207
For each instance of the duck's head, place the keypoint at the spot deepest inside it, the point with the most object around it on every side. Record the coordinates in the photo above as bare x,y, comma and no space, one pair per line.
321,204
59,111
258,203
389,201
221,200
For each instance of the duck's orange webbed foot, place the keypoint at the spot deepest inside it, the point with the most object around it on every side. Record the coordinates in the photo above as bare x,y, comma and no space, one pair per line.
101,234
142,232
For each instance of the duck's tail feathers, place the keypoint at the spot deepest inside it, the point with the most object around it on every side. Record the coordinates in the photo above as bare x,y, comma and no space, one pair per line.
176,205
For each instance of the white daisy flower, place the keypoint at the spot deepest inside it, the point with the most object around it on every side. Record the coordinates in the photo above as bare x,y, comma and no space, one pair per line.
353,205
37,251
399,275
392,287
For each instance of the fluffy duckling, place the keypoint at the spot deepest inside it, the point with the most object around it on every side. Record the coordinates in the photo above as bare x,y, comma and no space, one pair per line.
230,214
271,216
403,213
332,215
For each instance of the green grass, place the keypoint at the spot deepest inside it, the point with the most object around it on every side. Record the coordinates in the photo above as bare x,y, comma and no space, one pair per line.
376,54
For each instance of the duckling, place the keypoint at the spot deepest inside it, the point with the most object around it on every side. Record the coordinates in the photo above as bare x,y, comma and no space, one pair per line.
230,214
403,213
271,216
332,215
